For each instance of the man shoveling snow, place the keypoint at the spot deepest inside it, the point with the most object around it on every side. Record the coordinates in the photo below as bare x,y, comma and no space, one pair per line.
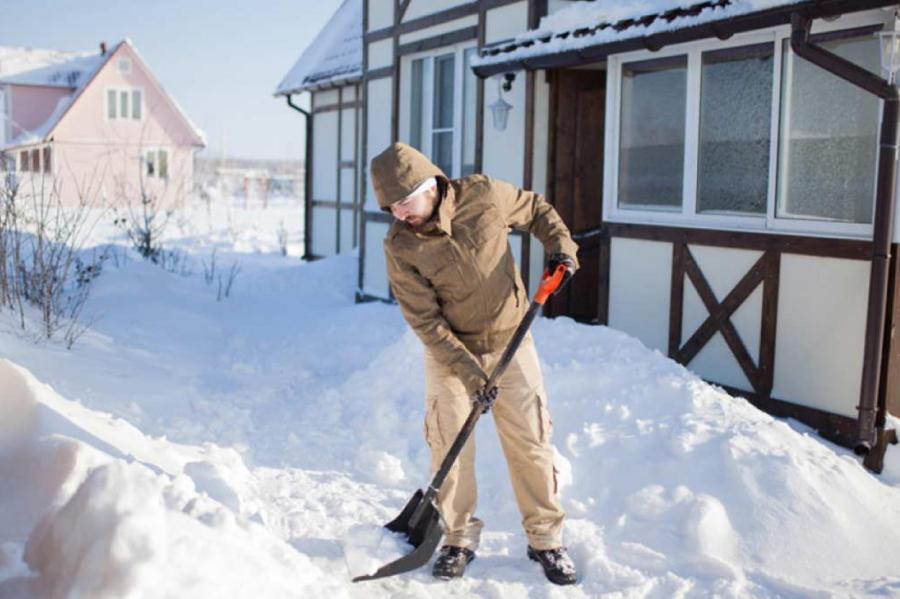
455,279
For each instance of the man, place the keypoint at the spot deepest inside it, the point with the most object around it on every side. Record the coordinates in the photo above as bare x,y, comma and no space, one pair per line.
455,279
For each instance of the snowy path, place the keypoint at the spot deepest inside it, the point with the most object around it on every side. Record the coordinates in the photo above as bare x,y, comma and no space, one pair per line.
290,414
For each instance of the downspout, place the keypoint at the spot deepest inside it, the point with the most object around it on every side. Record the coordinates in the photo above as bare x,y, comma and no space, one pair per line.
884,217
307,181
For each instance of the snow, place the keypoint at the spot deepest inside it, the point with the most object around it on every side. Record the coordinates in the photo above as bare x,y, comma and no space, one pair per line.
334,57
590,14
53,68
250,447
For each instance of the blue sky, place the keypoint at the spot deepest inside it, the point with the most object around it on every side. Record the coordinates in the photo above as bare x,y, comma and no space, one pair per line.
221,60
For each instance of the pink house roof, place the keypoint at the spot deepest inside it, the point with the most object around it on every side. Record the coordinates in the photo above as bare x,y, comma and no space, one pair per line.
72,70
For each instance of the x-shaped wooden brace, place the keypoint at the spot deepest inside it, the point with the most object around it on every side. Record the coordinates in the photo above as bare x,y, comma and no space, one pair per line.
719,319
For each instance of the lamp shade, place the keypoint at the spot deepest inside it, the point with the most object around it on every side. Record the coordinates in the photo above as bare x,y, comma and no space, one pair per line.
500,113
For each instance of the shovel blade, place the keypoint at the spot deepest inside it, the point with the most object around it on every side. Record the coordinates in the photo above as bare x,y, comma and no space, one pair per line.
424,534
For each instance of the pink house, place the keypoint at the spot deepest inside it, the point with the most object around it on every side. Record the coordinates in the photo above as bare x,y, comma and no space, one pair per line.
93,127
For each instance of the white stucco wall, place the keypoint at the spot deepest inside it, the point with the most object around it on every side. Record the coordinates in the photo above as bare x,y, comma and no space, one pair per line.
346,230
348,133
375,276
447,27
381,14
378,124
506,22
821,330
419,8
324,98
325,138
640,281
324,225
381,54
503,150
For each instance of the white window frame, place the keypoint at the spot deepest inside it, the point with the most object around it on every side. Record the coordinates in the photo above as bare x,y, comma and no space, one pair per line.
145,152
687,216
128,89
458,51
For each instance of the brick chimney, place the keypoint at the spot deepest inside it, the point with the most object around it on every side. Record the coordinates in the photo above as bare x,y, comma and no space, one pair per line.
102,47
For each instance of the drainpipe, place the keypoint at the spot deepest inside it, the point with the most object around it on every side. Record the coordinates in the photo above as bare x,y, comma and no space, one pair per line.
307,180
884,217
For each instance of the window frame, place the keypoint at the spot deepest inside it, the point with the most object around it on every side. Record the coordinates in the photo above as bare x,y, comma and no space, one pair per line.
145,160
428,71
688,215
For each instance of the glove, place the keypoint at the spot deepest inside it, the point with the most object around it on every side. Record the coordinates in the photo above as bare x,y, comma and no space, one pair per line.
485,398
554,261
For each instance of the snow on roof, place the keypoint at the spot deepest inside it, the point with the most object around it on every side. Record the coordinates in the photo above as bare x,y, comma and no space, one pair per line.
593,24
53,68
333,58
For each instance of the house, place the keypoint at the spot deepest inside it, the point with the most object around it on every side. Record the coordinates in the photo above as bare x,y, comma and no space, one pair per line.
93,126
728,168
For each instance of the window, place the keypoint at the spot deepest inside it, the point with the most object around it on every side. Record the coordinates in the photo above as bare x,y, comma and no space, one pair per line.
156,163
651,146
828,140
23,161
743,134
47,163
36,160
735,130
124,103
441,116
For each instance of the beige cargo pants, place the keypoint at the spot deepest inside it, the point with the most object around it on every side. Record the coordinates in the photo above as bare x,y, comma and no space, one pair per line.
523,424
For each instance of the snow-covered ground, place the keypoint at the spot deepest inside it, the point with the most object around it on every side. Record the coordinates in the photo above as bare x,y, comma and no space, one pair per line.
189,447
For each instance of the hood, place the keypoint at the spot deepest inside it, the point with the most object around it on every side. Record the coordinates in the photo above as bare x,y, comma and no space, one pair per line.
397,171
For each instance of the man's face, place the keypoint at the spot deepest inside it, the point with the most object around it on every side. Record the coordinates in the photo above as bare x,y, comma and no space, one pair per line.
415,209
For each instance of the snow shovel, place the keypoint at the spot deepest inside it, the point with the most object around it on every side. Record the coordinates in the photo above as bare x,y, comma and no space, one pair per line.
420,520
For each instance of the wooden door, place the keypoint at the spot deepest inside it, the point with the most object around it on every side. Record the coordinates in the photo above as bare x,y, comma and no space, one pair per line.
575,186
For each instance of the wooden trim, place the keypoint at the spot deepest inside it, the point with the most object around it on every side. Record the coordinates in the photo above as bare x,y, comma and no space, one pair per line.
676,299
769,322
528,158
395,81
791,244
838,429
380,73
348,163
889,390
479,98
337,168
357,172
603,281
337,106
325,204
364,151
404,4
438,41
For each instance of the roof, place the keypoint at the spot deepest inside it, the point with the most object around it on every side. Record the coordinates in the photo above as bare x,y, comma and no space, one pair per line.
333,58
52,68
590,31
72,70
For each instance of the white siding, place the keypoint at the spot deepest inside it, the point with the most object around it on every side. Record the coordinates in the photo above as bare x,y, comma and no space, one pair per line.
347,177
821,329
506,22
324,225
375,275
503,156
541,132
640,282
381,54
324,179
379,128
419,8
381,14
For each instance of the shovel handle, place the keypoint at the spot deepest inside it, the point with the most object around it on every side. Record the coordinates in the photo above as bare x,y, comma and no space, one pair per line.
550,282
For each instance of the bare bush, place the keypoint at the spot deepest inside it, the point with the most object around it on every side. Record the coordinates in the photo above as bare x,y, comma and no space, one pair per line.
213,276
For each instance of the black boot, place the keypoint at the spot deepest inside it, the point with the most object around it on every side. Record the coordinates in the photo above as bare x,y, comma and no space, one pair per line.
558,566
452,562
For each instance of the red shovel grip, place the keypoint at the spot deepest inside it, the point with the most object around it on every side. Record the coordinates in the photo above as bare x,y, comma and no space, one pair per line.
550,282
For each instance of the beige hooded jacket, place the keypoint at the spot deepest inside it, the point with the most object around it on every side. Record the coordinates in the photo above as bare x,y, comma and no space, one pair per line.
455,278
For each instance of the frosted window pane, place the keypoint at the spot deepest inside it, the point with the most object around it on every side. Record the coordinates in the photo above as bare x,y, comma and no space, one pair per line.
828,138
651,143
735,126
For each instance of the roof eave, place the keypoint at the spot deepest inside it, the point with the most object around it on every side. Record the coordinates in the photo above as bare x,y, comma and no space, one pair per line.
723,29
315,87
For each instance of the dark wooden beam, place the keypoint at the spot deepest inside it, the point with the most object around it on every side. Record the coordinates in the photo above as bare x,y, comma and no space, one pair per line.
676,301
380,73
336,106
438,41
437,18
